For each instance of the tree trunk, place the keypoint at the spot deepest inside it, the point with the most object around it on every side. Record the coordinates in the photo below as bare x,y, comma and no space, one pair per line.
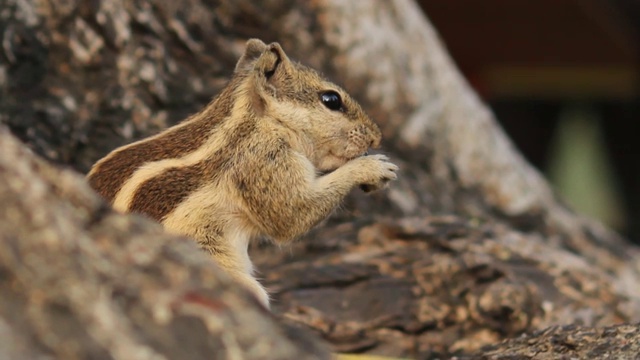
469,247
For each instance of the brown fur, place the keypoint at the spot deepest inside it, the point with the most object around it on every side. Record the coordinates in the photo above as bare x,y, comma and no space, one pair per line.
264,158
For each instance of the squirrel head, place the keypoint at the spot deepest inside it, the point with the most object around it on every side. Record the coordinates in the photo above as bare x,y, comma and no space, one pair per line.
332,125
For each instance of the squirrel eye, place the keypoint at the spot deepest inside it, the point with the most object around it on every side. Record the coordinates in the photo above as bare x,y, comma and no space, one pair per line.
331,100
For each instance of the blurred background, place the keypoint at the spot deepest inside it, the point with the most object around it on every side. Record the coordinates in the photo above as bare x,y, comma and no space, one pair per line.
563,78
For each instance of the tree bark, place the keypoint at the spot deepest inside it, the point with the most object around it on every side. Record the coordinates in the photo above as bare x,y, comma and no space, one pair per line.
569,342
469,247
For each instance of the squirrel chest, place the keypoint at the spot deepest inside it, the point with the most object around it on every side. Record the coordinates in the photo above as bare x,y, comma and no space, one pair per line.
271,156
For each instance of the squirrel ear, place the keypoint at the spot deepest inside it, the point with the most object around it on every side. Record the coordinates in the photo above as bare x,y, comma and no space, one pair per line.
252,52
272,59
264,58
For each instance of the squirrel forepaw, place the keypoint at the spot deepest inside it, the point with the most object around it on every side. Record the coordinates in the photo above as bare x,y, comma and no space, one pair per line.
374,172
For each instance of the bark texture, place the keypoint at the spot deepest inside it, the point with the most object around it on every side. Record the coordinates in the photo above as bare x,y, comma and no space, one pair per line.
569,342
469,247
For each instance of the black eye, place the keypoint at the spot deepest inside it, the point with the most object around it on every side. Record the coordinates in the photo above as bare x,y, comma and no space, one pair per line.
331,100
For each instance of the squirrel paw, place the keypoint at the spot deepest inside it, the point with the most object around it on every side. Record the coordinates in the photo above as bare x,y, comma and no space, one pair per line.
373,172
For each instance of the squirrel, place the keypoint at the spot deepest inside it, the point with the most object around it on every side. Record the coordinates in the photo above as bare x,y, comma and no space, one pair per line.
270,156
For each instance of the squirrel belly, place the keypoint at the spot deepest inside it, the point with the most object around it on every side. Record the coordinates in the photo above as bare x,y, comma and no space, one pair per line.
270,156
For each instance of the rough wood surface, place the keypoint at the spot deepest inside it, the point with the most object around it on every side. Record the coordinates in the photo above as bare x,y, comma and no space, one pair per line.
420,287
569,342
469,247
